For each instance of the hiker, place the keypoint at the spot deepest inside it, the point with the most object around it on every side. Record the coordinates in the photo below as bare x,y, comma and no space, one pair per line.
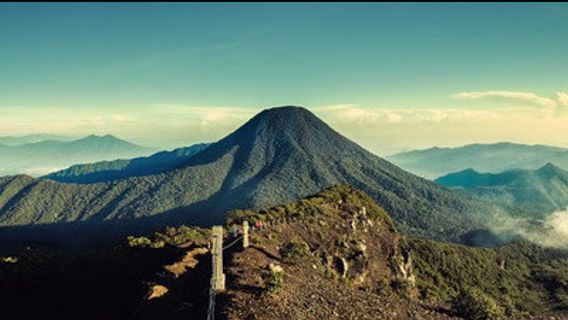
258,224
234,231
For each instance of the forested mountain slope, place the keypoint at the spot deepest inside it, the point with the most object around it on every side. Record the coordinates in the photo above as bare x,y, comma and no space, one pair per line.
543,190
106,171
280,155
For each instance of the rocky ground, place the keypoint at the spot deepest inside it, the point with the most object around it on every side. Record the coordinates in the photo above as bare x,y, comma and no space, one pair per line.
343,262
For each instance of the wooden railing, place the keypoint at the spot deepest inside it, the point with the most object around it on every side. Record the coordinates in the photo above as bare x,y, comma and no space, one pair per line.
218,279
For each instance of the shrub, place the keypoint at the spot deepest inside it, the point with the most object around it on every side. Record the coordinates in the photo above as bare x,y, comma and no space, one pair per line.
273,278
183,234
330,273
473,304
173,236
238,216
293,251
9,259
255,239
144,242
403,286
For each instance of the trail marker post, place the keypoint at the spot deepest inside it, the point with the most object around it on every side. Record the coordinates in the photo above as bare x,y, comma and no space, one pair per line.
218,277
245,234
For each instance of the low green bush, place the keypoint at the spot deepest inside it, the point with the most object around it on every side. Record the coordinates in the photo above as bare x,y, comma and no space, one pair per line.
9,259
293,251
473,304
144,242
273,278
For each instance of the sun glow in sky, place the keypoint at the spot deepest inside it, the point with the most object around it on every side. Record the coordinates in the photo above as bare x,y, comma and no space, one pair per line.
392,77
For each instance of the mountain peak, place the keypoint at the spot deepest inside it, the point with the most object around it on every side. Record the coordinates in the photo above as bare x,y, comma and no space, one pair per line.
469,171
281,155
548,165
278,133
464,178
108,142
288,108
286,115
101,137
286,123
106,139
466,173
550,169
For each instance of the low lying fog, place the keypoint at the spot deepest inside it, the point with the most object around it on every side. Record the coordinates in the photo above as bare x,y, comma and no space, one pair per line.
550,232
555,231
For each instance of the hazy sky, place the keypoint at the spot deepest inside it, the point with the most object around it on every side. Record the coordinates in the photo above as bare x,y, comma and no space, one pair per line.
390,76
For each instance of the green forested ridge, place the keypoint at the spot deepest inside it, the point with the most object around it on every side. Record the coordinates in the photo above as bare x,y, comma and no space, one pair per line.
539,191
280,155
106,171
521,277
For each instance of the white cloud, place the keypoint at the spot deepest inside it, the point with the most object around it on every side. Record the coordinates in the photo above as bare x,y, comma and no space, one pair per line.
388,130
526,98
381,129
563,98
40,171
354,115
205,115
551,232
351,113
121,118
557,229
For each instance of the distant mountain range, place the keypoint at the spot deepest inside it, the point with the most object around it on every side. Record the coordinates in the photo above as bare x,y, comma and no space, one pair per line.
435,162
543,190
281,155
31,138
106,171
39,158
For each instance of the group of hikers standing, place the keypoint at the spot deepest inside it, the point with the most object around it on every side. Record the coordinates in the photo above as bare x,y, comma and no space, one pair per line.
234,231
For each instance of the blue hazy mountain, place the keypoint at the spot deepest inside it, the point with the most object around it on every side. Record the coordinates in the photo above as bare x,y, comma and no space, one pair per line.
31,138
50,155
542,191
105,171
435,162
280,155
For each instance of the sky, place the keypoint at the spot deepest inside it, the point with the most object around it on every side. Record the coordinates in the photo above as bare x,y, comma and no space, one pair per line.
392,77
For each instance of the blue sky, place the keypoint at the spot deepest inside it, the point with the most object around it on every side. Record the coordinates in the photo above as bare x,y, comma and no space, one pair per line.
390,76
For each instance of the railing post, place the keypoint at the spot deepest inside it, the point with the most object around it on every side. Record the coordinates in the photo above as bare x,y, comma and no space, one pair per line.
218,277
245,234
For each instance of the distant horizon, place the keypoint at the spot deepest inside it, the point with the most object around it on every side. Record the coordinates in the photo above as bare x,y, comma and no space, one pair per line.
392,77
162,148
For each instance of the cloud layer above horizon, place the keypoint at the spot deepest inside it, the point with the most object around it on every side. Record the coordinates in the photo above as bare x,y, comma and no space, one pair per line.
477,117
516,97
